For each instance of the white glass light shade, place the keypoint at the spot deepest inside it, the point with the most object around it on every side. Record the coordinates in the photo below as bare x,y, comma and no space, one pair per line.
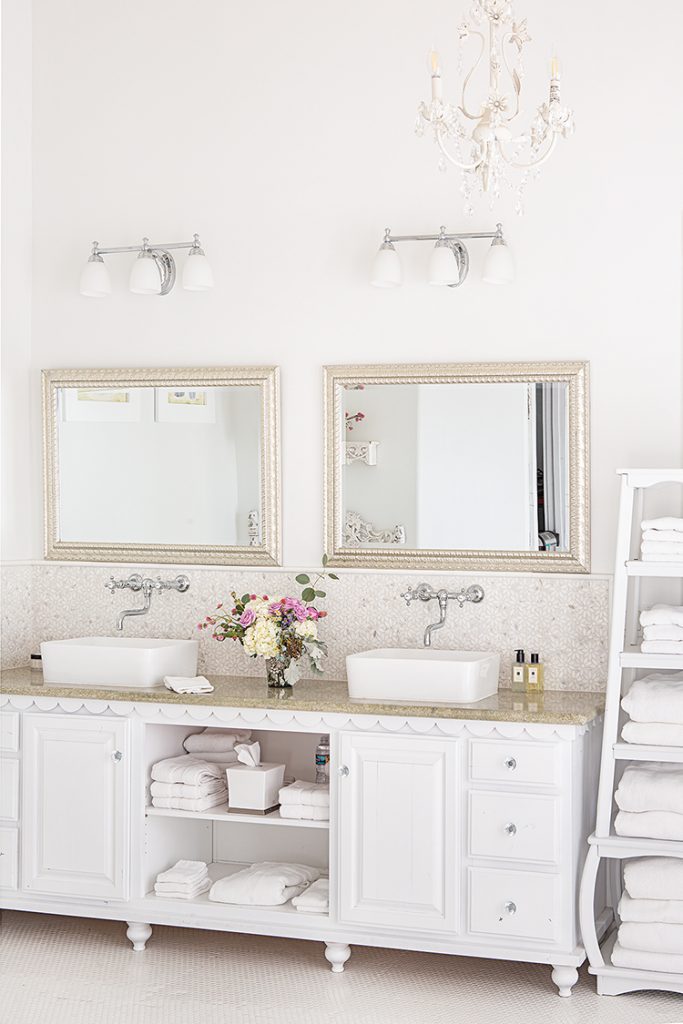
197,273
443,266
499,266
95,281
386,268
145,278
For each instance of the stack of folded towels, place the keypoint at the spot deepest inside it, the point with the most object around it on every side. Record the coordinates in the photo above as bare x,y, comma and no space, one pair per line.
650,801
662,629
315,899
308,801
264,885
185,880
655,706
196,781
650,937
662,540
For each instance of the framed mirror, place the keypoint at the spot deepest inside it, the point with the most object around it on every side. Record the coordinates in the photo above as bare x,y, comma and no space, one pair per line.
458,466
162,465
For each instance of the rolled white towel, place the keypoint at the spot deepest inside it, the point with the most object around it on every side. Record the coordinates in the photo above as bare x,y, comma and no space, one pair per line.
651,911
656,734
303,813
655,698
264,885
654,878
315,899
215,741
187,684
662,615
184,872
669,632
651,786
203,803
640,960
177,789
307,794
225,757
649,824
655,938
662,647
188,770
668,536
662,547
663,523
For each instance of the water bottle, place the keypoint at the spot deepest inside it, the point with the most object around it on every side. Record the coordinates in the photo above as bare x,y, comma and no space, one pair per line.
322,761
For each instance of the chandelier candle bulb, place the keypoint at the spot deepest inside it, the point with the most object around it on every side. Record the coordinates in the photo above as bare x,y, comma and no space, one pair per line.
435,72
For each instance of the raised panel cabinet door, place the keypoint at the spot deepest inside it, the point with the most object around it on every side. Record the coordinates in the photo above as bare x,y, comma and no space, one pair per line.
397,851
75,834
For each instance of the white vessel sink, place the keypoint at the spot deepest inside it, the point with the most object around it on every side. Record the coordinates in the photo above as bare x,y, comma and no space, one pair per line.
395,675
117,661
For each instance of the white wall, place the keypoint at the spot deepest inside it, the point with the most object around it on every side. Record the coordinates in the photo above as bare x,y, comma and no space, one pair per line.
283,133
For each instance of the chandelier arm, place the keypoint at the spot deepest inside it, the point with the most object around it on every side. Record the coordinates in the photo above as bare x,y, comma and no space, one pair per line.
533,163
451,158
462,108
512,73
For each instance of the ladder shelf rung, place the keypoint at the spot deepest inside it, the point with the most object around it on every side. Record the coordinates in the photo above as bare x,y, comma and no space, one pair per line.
623,847
633,657
637,568
647,752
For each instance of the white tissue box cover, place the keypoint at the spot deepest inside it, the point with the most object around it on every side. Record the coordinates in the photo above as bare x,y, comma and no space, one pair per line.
254,789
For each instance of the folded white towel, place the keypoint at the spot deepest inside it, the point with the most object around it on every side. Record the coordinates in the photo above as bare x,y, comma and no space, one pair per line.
185,684
308,794
651,786
668,536
264,885
201,803
184,871
662,647
651,911
304,813
215,741
177,789
668,632
656,734
225,757
660,556
654,878
649,824
188,770
663,523
656,698
662,547
639,960
662,615
182,893
655,938
315,899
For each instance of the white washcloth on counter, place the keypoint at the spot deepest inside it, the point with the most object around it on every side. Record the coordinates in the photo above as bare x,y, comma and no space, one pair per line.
655,938
660,556
656,734
264,885
187,684
639,960
654,878
304,813
663,523
184,871
188,770
177,789
198,803
662,647
182,892
315,899
668,632
308,794
656,698
651,786
651,911
662,615
215,741
662,547
668,536
649,825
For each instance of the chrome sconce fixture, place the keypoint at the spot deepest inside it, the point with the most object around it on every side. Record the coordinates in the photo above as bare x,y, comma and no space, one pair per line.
449,262
152,273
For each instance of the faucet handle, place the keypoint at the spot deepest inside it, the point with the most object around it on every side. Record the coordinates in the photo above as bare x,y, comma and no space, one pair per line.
409,596
111,585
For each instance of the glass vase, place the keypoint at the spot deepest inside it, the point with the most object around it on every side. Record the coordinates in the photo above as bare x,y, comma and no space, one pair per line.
275,672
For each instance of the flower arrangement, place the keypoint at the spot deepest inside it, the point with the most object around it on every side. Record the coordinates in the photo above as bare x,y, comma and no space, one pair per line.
280,629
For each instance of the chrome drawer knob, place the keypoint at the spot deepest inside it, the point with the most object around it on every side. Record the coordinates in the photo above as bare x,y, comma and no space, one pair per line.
343,770
510,908
511,829
117,756
510,763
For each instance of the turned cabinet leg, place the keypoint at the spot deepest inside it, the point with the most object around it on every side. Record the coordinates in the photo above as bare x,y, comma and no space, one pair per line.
337,953
565,978
138,935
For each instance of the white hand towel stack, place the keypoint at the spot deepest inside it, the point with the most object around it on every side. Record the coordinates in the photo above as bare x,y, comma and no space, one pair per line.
662,540
650,801
264,885
315,899
184,881
650,936
309,801
655,706
662,629
187,684
188,783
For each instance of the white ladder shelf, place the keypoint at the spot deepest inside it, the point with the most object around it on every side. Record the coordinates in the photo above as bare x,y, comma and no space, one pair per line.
624,659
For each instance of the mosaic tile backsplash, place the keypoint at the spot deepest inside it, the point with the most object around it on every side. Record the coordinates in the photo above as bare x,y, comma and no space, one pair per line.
564,619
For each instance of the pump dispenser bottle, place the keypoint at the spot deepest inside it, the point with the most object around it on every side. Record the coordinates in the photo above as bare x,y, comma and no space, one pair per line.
518,673
535,672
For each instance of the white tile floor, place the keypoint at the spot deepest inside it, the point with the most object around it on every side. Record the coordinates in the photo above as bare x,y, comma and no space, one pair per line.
70,971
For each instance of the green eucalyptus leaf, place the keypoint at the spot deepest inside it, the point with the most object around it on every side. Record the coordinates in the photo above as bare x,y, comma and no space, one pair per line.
332,576
303,579
325,559
320,593
246,599
308,594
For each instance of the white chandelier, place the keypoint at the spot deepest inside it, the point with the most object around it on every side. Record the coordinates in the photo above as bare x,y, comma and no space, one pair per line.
480,142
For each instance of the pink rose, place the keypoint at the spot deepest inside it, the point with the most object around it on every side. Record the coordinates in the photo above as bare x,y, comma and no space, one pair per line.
247,617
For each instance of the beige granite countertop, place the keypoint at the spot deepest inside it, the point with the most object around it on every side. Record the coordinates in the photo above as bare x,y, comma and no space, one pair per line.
554,707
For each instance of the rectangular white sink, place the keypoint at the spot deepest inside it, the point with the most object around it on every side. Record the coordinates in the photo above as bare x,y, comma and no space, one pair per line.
396,675
117,661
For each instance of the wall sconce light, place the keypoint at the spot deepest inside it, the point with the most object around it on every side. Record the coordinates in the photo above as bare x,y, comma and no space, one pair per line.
152,273
449,262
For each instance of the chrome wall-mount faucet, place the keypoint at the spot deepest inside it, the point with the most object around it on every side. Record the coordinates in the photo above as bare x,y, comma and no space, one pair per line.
147,585
423,592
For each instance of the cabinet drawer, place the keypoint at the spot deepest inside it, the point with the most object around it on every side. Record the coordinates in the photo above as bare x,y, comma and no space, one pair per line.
535,764
9,848
9,730
522,904
514,826
9,788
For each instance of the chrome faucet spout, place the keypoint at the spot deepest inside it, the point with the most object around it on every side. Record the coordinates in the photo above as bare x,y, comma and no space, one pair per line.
442,597
473,595
131,612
